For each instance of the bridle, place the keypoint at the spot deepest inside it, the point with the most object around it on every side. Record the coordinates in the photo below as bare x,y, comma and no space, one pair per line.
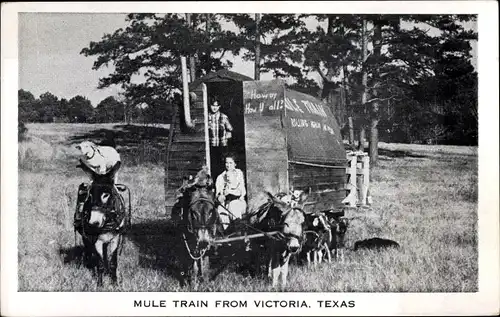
281,224
191,228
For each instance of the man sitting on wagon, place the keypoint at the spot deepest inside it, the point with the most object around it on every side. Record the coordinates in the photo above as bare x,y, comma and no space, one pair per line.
230,192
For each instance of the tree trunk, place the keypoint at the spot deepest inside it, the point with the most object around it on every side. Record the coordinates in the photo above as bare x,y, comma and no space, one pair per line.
374,113
364,82
192,61
347,107
361,138
373,147
257,47
351,130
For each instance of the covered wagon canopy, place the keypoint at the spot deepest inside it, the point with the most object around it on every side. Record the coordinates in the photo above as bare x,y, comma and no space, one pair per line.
311,131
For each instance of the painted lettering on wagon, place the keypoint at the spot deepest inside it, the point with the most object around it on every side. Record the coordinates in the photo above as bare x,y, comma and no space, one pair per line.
304,123
300,106
253,94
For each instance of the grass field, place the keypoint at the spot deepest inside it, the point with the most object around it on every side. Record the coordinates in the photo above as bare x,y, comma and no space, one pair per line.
427,203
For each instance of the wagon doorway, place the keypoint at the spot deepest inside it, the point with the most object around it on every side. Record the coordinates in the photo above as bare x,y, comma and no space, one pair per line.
229,95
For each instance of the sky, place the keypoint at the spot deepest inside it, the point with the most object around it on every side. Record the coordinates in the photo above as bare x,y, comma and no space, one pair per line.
50,59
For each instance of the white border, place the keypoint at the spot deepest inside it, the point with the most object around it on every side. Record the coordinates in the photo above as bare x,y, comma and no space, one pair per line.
486,301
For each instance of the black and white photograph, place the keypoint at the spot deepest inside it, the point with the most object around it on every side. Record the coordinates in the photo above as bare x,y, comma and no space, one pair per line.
271,152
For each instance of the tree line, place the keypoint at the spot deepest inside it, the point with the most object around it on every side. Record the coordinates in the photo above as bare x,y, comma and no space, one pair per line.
49,108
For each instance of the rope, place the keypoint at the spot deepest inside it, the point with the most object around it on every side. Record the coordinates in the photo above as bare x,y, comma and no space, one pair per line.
189,250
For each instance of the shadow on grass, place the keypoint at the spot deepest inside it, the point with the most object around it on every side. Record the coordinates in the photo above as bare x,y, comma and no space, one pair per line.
137,144
399,153
159,246
76,255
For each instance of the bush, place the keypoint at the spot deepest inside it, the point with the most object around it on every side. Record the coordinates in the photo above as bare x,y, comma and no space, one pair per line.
22,131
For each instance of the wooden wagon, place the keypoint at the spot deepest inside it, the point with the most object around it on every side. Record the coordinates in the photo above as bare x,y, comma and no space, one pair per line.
283,140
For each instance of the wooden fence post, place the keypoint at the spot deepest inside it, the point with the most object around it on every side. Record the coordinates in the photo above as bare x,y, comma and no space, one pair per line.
365,159
352,197
358,187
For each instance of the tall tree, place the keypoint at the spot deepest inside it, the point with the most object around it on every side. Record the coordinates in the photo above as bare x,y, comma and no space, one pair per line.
48,107
80,110
109,110
257,47
146,54
271,41
27,110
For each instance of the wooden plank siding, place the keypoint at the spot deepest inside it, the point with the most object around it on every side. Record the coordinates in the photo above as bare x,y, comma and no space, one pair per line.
325,186
187,152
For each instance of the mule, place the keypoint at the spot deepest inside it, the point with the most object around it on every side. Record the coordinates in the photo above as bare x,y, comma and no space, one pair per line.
318,237
339,229
199,226
104,221
290,223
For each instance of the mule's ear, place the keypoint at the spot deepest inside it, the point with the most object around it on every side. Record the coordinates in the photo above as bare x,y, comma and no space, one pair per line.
270,196
315,222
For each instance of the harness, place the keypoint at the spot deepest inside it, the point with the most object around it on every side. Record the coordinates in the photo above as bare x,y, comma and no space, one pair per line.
276,224
114,221
191,226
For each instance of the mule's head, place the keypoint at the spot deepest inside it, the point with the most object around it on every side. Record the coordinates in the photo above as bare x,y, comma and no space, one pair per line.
318,229
99,204
339,229
290,220
201,216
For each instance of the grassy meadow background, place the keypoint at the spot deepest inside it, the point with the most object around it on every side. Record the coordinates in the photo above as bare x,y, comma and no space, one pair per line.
424,197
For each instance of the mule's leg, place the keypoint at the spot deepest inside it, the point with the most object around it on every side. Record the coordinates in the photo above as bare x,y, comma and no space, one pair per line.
308,257
113,258
195,269
269,267
276,269
87,253
315,258
100,266
284,270
328,255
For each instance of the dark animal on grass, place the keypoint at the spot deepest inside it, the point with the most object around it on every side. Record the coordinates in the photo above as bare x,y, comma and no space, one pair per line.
104,221
339,228
318,237
199,226
289,222
375,243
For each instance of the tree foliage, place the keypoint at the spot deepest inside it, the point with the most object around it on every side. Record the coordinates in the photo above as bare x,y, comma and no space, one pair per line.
146,54
419,83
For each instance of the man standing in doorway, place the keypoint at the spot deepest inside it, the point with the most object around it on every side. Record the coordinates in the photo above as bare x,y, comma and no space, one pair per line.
220,131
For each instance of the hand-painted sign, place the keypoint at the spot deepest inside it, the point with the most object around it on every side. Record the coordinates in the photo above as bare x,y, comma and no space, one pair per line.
312,132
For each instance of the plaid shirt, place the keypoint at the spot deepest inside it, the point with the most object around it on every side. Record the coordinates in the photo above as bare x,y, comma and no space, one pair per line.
219,129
